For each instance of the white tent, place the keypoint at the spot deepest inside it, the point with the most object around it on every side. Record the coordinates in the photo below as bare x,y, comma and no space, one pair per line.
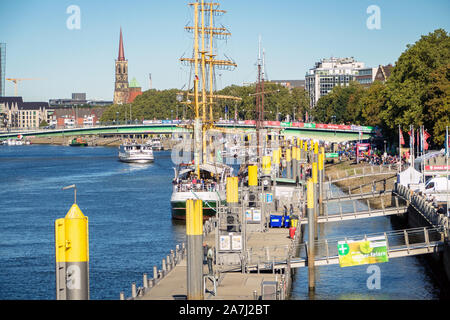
409,176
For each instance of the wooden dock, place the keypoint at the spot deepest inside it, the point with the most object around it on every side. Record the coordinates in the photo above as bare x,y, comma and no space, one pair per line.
262,247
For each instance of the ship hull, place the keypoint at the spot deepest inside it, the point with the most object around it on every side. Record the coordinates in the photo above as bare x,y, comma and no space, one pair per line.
210,201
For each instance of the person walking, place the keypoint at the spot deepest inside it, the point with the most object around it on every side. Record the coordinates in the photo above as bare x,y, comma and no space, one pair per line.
209,258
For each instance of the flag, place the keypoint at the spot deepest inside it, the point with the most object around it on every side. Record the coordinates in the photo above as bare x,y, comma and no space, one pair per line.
447,142
411,137
426,135
419,142
402,141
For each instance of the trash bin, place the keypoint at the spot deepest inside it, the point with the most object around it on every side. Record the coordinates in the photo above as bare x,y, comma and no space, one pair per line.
275,221
287,220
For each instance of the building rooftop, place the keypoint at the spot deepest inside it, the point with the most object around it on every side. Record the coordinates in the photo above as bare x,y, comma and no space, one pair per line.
9,100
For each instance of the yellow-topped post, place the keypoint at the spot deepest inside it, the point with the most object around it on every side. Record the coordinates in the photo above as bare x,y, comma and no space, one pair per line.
294,163
320,178
232,190
311,230
288,163
252,176
315,181
194,235
72,255
266,165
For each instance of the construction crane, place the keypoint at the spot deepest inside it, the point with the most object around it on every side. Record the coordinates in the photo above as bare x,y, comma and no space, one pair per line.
17,80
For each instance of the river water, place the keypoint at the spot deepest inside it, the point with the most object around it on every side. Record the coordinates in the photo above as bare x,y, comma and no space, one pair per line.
130,228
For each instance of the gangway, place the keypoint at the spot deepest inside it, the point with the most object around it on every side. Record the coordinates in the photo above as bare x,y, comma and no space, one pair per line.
400,243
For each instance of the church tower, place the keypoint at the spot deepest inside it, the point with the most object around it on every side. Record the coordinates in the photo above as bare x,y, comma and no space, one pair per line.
121,85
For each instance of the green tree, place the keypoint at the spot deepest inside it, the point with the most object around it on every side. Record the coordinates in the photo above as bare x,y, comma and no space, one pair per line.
413,83
437,105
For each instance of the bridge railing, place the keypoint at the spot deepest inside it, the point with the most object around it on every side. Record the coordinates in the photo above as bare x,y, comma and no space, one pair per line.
362,171
397,239
423,206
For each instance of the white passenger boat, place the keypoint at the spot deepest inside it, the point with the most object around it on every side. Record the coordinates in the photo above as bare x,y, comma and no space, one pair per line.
135,153
156,144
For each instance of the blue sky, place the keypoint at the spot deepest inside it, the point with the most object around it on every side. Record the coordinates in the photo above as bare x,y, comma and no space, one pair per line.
295,34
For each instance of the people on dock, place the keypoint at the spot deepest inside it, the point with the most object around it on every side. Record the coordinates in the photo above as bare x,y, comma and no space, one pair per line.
209,258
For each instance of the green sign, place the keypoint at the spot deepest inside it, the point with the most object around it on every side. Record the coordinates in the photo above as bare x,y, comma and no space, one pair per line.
331,155
309,125
286,124
368,251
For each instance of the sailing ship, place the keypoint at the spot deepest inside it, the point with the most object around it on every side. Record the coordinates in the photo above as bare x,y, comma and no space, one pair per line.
202,179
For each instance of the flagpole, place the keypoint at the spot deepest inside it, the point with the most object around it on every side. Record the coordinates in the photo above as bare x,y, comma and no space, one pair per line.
423,152
446,156
399,151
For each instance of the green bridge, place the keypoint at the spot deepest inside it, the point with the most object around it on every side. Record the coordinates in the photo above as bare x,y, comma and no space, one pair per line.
332,135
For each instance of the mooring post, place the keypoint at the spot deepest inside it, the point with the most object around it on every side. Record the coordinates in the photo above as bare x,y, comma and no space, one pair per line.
315,181
194,235
321,174
294,163
72,254
311,222
288,163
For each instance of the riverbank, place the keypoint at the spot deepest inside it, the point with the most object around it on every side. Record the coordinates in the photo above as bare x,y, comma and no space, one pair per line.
95,141
364,184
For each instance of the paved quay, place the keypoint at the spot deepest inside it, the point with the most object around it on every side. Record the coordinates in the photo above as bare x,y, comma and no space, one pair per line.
262,247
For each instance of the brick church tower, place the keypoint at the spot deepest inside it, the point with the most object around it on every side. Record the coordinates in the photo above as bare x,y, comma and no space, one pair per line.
121,84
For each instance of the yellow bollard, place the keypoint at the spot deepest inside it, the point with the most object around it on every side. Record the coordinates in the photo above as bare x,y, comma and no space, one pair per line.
267,165
232,190
72,255
194,235
275,157
252,175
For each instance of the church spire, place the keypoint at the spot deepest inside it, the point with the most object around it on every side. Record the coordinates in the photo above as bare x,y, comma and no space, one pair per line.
121,51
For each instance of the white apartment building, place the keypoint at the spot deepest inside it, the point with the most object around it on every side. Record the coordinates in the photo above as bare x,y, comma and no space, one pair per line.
328,73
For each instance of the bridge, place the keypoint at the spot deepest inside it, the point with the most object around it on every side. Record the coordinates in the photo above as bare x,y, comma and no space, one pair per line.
400,243
332,133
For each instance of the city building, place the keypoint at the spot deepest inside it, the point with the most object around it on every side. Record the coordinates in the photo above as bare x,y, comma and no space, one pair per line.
366,76
328,73
121,84
2,68
66,118
19,114
134,90
383,73
78,99
79,96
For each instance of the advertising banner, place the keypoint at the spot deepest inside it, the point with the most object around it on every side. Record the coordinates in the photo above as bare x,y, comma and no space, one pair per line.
368,251
309,125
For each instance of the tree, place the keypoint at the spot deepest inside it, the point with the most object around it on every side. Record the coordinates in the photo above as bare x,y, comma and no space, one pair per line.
437,105
373,103
412,78
342,104
43,124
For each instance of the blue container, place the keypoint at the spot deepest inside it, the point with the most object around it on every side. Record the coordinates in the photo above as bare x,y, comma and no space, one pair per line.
287,220
276,221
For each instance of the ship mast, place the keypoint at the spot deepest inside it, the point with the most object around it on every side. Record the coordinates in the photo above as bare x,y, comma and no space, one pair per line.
205,58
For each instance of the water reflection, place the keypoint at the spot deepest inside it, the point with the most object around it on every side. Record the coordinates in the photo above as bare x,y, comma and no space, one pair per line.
400,278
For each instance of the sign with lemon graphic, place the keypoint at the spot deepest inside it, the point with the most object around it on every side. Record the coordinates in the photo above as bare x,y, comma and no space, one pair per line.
367,251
